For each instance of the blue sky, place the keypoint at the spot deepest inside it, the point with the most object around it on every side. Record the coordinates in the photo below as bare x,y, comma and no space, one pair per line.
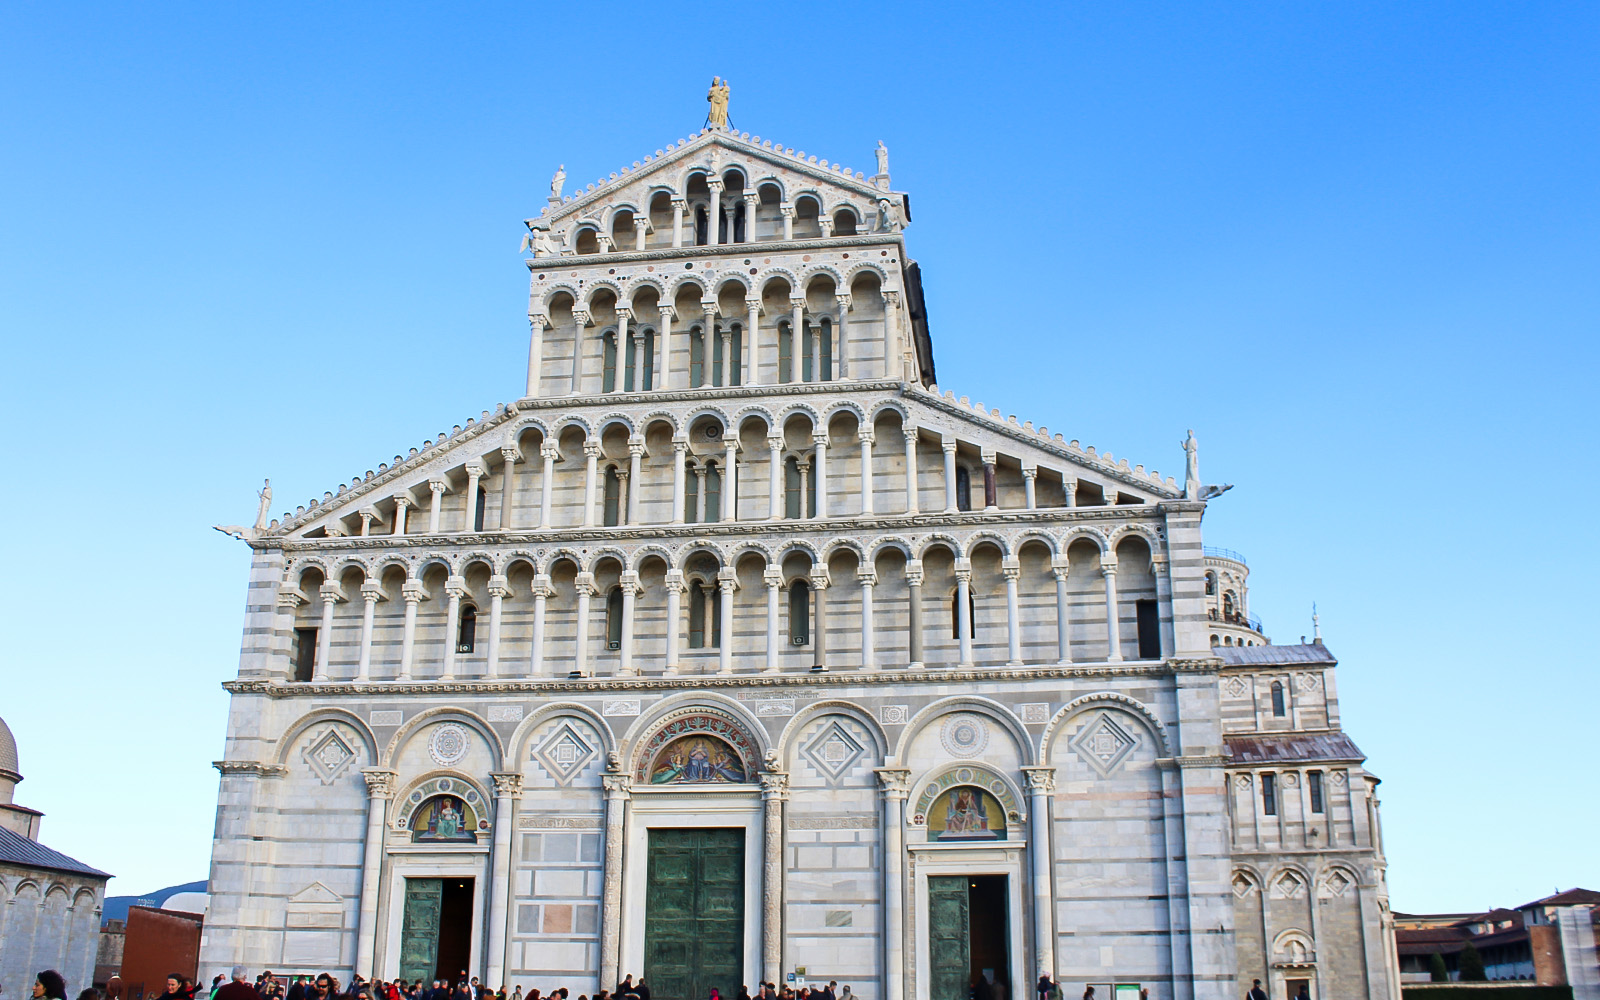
1353,245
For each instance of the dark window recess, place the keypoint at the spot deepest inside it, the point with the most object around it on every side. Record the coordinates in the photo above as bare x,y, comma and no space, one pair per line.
304,653
1278,708
697,616
1149,630
1269,794
799,613
963,488
1314,785
477,514
955,613
614,618
467,633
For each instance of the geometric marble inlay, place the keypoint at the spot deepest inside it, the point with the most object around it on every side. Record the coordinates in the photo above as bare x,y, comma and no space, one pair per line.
565,754
448,745
328,756
833,751
1104,744
964,735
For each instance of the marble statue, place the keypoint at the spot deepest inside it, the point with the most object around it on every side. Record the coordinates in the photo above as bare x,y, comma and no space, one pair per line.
1191,478
557,182
883,157
718,96
264,495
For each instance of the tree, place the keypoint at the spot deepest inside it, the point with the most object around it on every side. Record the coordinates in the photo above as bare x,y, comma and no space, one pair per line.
1436,970
1471,965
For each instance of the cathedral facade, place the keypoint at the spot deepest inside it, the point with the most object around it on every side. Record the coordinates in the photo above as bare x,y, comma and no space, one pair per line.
737,650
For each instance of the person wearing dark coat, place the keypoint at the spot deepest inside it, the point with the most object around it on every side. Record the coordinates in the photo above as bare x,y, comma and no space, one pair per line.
49,984
238,988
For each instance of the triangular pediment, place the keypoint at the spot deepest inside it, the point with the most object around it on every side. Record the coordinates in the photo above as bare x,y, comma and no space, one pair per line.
316,892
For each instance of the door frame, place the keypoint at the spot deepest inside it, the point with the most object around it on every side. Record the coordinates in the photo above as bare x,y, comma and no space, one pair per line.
470,861
963,859
738,806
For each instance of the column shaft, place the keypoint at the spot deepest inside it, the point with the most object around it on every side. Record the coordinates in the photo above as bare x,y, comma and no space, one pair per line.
1063,613
508,486
1041,783
774,580
635,456
541,598
674,618
370,599
379,787
591,460
617,788
730,480
679,449
500,874
1013,623
894,893
822,476
1113,626
964,613
451,619
546,484
819,636
866,473
869,657
914,636
725,610
950,477
629,590
775,492
408,637
774,790
497,595
325,635
580,666
911,471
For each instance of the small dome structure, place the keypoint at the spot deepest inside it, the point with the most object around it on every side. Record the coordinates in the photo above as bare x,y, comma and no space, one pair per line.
8,753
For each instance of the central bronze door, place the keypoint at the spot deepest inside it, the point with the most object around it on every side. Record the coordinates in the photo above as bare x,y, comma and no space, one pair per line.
694,913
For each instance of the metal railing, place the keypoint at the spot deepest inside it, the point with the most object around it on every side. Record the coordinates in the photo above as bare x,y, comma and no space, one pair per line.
1247,621
1216,553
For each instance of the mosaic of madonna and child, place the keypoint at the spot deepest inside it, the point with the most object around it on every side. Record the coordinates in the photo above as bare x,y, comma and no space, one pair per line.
697,758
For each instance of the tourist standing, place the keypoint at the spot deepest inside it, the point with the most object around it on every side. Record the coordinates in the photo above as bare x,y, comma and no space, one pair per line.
49,985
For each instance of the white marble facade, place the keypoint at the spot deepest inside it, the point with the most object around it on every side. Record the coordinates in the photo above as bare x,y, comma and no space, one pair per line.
873,592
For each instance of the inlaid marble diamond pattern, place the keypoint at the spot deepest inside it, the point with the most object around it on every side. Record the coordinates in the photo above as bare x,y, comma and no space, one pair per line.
328,756
834,750
1104,743
565,753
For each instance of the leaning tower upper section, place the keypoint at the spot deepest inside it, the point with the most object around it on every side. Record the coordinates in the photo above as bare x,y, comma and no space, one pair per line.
723,261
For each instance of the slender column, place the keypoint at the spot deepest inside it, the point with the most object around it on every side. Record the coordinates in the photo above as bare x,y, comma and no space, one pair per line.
949,475
1010,570
991,492
964,609
1108,569
713,238
380,788
787,211
751,200
371,594
680,448
508,484
469,516
332,594
773,578
437,487
1158,568
499,590
822,475
455,588
866,437
730,477
911,469
536,324
826,225
775,494
819,636
797,340
541,598
507,789
580,318
869,655
1059,567
591,460
752,326
630,591
841,336
400,505
708,333
639,352
700,495
664,345
1041,785
727,583
805,490
621,384
894,784
774,791
1029,474
816,352
679,206
674,617
618,789
547,481
635,455
414,595
1071,488
641,226
914,635
368,515
586,591
725,370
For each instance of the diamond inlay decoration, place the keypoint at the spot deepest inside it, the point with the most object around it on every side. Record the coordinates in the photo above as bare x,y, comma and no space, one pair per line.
565,753
1336,883
1104,744
328,756
834,750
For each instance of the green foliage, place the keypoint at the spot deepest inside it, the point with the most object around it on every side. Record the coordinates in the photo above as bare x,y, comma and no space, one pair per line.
1436,970
1471,965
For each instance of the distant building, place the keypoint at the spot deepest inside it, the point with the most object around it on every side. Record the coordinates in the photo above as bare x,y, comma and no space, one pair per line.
159,943
49,903
1548,942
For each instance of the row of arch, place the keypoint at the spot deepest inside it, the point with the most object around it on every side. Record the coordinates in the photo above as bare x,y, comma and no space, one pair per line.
809,281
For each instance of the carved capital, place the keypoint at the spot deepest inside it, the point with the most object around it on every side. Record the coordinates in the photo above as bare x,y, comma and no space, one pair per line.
867,577
866,435
507,784
753,304
986,455
674,581
510,455
630,583
668,312
891,298
624,313
773,578
727,580
714,184
844,302
413,592
499,586
582,317
797,302
476,469
539,321
380,783
542,587
1041,780
774,785
591,449
372,592
455,586
585,584
786,210
914,572
1030,471
439,486
549,450
948,444
894,782
290,598
680,445
820,578
252,768
333,592
1108,566
963,570
1010,569
617,785
636,447
910,433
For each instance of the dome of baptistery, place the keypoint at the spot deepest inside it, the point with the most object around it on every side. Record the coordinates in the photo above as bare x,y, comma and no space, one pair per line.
8,752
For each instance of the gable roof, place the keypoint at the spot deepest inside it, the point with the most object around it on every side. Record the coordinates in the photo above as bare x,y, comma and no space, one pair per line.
688,153
1572,897
15,849
1266,656
1293,748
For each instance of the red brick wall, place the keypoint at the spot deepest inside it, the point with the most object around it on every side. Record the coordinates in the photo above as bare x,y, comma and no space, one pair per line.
157,943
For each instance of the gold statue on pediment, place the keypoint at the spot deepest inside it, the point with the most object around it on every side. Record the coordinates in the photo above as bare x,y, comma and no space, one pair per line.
717,117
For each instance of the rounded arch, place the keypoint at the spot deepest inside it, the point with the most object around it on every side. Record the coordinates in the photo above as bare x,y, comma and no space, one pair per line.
755,410
688,278
466,560
602,553
772,180
1037,535
405,808
612,211
700,547
525,730
432,559
299,726
446,713
602,285
351,562
878,545
815,271
843,543
733,278
559,288
1145,531
977,538
855,269
816,710
804,409
891,406
647,550
934,781
771,274
573,420
707,410
846,406
1104,699
392,560
616,419
564,552
643,281
522,426
798,545
660,416
750,545
1093,535
939,540
645,735
575,236
969,703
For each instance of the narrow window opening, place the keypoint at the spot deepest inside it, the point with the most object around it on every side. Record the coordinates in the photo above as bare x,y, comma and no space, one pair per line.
736,355
614,618
716,356
467,630
799,613
785,353
479,509
807,334
608,380
1278,708
697,616
738,223
305,653
649,360
1211,584
955,615
714,599
826,350
691,494
963,488
1149,630
713,486
702,235
792,497
1269,794
1314,786
697,357
613,503
627,365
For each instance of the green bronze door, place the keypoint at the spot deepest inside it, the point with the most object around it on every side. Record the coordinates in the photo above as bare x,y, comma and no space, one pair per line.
419,928
694,913
949,938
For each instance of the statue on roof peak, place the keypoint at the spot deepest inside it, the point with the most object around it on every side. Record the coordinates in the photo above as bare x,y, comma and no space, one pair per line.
558,182
717,117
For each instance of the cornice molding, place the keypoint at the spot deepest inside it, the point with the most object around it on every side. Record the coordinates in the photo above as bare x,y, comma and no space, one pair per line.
250,767
730,250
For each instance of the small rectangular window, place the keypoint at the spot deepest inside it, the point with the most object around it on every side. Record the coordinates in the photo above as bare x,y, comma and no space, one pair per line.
1149,630
1269,794
1314,784
304,653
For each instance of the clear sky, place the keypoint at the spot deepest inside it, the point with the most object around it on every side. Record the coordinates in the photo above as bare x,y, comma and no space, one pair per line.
1354,246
